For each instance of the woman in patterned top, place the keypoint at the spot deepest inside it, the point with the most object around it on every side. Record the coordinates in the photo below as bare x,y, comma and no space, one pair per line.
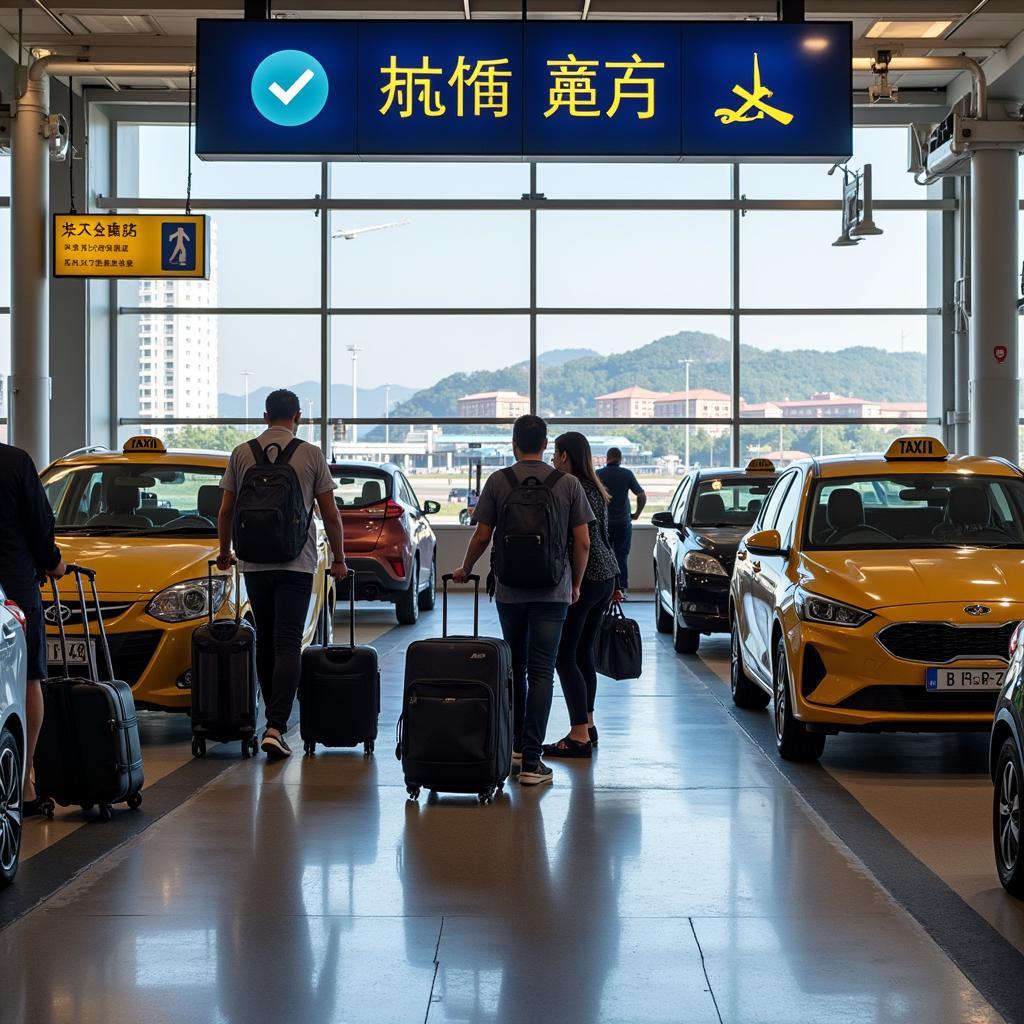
575,663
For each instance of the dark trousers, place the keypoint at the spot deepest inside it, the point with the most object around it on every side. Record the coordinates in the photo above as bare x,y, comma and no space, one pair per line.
280,602
532,631
620,533
575,663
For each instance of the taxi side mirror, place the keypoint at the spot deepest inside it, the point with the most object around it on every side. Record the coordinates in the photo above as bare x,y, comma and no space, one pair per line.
663,520
765,542
431,508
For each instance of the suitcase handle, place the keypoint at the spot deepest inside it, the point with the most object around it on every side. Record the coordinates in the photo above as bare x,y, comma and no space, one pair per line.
471,578
351,607
59,616
90,658
238,590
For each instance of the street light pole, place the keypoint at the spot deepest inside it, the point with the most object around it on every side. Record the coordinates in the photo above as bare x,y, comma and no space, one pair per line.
246,374
355,350
686,407
387,416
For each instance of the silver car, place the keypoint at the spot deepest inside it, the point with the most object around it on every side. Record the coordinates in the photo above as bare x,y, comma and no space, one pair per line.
12,736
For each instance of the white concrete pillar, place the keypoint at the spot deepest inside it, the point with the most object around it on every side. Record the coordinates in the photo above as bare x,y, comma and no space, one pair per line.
30,276
995,381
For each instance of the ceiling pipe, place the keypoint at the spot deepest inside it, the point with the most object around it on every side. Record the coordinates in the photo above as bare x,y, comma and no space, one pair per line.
980,90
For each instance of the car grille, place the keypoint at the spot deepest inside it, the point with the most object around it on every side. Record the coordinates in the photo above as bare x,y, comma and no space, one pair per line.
111,610
916,699
131,654
938,643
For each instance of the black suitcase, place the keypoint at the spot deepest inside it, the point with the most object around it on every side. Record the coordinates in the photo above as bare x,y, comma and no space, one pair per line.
89,752
455,732
225,697
339,690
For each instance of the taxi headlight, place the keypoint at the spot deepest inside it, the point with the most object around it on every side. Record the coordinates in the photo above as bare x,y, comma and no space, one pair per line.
187,600
703,564
812,608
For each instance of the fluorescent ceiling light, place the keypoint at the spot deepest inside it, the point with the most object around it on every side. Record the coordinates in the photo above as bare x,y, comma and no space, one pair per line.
908,29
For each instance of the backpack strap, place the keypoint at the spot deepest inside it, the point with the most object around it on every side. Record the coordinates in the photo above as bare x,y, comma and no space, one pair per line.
286,453
509,473
552,478
258,453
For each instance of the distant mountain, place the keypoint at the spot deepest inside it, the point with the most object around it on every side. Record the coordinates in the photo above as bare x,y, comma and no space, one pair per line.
561,356
371,400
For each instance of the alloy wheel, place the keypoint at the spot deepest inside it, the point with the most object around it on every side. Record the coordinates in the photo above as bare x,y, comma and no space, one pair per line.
781,685
1009,816
10,809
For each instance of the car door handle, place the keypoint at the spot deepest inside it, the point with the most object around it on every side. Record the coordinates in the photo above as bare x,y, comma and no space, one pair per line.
755,566
8,634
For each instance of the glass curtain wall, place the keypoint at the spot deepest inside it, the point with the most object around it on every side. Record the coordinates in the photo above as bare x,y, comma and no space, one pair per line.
690,314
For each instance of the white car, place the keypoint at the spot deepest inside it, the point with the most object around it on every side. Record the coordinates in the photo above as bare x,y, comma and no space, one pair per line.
12,735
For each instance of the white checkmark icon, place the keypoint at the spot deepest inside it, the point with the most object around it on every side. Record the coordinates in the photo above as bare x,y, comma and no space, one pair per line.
287,95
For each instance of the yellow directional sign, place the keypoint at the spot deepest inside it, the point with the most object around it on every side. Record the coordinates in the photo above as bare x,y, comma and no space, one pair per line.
130,245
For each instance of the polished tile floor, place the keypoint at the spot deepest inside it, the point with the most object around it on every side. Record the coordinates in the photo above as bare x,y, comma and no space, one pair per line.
680,877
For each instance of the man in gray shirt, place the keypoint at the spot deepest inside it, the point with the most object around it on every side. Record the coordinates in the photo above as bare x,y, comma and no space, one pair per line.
532,620
280,593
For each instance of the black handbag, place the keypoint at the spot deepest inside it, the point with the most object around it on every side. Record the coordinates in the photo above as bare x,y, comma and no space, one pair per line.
619,654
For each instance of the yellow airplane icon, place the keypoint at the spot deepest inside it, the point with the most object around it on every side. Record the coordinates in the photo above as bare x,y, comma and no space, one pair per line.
753,101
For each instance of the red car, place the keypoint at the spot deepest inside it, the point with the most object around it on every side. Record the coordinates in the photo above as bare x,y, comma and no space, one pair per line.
389,542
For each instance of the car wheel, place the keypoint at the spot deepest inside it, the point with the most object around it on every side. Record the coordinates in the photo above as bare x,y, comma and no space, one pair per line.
662,618
428,597
795,742
10,808
745,692
685,641
407,607
1006,819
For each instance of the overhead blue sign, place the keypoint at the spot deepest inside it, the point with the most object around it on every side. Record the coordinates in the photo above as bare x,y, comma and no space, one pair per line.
513,91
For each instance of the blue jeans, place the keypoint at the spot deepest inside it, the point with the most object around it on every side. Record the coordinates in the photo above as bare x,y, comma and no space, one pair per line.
532,631
620,533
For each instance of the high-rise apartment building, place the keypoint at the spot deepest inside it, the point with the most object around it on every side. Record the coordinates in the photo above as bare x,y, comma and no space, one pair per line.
178,354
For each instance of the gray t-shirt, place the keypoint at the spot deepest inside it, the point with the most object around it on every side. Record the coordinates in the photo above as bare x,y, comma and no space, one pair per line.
572,505
314,478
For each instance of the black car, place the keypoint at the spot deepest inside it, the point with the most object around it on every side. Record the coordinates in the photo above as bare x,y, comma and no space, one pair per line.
696,548
1005,754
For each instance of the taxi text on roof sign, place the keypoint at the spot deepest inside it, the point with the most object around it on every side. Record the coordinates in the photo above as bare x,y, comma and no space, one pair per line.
143,443
917,448
538,90
150,245
760,466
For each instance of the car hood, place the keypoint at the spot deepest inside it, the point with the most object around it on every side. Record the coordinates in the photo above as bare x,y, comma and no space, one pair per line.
133,567
718,539
887,579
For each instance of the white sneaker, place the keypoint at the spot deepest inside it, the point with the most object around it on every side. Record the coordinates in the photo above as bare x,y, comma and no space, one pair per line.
537,774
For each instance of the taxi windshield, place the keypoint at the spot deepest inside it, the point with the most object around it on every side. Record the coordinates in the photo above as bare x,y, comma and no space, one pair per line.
729,501
119,499
920,511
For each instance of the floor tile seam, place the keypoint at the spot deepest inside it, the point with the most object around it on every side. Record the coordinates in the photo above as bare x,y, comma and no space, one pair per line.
840,842
704,970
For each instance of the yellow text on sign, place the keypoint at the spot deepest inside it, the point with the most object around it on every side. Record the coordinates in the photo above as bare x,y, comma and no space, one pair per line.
130,245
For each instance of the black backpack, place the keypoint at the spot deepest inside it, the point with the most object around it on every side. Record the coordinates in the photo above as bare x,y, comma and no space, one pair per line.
531,541
271,521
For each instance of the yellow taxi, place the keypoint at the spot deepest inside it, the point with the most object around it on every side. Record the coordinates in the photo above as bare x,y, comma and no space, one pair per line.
879,592
145,519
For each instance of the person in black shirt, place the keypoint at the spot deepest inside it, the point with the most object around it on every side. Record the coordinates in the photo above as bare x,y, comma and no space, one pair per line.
28,555
619,482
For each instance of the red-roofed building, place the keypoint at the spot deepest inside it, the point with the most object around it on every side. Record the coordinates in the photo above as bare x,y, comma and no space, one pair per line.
637,402
699,403
494,404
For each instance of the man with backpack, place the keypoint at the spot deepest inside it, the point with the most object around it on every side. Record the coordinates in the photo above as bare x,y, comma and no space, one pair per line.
537,519
267,510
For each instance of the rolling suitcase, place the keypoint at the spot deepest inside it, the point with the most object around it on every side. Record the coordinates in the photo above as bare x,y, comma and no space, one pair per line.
225,698
339,690
455,732
89,752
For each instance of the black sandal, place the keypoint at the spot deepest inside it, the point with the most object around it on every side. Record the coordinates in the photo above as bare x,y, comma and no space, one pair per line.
33,808
593,736
568,747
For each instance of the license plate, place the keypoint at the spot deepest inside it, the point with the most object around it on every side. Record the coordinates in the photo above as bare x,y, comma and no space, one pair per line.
76,652
944,680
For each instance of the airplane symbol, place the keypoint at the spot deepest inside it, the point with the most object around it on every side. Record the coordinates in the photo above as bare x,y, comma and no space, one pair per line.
753,101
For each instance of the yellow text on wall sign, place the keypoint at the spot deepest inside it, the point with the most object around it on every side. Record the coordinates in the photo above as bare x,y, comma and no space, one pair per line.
753,107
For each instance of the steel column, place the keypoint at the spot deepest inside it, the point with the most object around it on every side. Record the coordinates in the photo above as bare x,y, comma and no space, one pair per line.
995,381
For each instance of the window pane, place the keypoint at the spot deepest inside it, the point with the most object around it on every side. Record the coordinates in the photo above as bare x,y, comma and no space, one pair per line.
5,369
885,148
386,258
804,440
5,177
787,259
163,156
634,181
429,180
5,247
622,259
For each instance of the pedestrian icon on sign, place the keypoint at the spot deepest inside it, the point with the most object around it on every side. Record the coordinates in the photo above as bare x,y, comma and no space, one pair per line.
178,247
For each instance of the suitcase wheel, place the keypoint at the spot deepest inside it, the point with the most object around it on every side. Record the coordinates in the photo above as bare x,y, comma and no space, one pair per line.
487,796
413,791
367,748
198,747
309,747
134,801
106,812
246,748
254,745
47,807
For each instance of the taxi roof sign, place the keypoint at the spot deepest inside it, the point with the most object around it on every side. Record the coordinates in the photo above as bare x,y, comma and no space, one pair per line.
143,443
916,448
760,466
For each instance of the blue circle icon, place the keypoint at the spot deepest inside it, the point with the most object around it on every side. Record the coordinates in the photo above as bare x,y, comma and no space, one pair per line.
290,88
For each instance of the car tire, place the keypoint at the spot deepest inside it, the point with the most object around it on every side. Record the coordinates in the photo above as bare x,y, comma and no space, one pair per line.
662,618
1006,818
407,607
10,808
428,597
685,641
745,692
794,741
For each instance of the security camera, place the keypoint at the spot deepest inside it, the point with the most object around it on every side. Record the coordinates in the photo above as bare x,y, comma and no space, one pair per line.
55,131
